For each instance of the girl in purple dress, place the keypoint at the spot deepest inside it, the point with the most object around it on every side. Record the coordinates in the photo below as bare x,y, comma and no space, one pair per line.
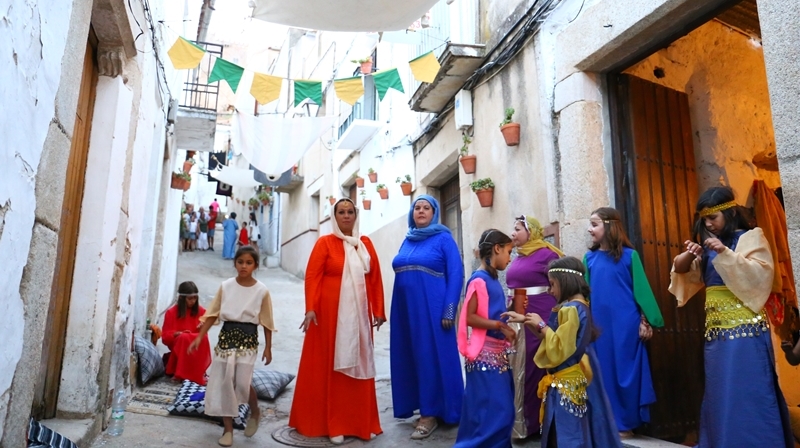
529,271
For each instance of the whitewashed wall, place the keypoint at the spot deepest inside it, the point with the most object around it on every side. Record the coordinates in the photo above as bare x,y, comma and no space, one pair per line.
30,66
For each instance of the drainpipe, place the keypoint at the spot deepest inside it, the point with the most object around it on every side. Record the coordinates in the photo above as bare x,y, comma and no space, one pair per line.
205,20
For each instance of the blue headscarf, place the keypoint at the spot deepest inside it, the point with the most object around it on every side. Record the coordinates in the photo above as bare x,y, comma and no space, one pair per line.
415,234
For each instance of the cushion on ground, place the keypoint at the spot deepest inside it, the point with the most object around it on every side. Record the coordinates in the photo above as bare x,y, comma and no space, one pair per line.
186,407
150,364
42,436
269,383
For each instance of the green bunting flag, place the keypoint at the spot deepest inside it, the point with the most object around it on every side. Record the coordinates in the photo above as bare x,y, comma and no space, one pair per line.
228,71
307,89
387,79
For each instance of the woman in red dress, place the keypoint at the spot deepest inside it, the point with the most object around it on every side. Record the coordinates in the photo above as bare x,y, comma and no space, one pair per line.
181,324
335,391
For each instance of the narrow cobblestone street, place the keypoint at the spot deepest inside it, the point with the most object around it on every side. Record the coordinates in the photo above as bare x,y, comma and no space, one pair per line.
207,270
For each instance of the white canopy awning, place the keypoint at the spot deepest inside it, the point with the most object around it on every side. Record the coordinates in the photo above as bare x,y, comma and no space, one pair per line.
274,144
235,177
343,15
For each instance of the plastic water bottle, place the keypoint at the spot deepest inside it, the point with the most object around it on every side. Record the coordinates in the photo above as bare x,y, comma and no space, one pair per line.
117,423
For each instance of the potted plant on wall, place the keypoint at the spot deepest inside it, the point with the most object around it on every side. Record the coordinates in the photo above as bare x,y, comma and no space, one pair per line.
373,176
187,180
331,199
366,65
405,185
188,164
382,191
176,182
484,189
510,129
467,160
265,197
367,203
359,181
253,203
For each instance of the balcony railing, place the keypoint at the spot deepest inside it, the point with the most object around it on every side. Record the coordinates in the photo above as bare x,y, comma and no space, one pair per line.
198,94
365,108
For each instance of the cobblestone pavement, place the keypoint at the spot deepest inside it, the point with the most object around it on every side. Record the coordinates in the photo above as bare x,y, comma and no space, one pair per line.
207,270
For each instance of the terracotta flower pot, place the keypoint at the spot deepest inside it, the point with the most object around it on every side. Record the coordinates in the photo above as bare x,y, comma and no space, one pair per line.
468,163
187,166
406,187
511,134
485,197
176,183
186,184
265,202
373,177
332,200
384,193
366,67
360,182
367,203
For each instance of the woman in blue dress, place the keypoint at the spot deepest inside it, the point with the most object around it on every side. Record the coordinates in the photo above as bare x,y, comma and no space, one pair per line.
575,410
743,405
488,414
229,228
425,367
625,310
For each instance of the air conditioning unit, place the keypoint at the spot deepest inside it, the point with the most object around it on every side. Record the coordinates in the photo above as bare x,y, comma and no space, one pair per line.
463,110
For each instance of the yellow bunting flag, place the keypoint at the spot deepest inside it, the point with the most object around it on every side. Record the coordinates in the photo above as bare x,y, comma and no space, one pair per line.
266,88
425,68
185,54
349,90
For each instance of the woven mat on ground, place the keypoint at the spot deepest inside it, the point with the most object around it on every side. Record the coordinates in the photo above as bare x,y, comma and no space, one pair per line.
154,398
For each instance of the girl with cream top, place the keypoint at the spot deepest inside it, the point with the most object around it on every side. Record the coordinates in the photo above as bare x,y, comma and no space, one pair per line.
242,304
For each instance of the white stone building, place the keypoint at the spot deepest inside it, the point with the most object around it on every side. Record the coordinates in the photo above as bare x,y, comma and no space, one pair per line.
636,104
89,224
640,105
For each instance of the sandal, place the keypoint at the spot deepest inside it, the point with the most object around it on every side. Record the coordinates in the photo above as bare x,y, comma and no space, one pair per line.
226,439
423,432
251,427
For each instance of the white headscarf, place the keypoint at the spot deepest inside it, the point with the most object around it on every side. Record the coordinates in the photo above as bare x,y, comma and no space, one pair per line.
353,353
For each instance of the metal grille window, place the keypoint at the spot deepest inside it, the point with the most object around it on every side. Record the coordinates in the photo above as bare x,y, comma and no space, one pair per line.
366,108
197,92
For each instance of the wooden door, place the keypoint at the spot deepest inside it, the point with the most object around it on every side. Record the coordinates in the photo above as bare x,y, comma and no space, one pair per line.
450,213
46,394
656,190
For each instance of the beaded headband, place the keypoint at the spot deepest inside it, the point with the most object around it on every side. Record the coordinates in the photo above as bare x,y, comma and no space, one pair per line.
717,208
180,294
571,271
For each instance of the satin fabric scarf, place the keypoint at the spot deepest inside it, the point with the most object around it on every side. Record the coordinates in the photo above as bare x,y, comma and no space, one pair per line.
416,234
536,239
353,350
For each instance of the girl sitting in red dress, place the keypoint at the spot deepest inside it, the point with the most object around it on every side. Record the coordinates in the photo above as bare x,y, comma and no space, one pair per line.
181,324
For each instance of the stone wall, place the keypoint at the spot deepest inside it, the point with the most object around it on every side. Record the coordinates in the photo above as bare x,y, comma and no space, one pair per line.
120,209
42,62
722,72
522,174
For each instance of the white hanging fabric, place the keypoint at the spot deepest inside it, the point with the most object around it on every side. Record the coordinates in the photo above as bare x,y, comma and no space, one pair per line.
235,177
274,144
343,15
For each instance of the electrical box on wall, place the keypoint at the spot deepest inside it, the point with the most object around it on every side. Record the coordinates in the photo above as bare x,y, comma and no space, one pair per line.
463,109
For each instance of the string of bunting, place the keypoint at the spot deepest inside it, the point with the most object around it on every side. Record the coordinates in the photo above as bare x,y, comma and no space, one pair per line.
185,55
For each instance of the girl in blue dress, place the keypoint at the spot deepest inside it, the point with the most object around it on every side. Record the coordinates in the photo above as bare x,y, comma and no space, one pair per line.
487,415
742,402
575,410
624,307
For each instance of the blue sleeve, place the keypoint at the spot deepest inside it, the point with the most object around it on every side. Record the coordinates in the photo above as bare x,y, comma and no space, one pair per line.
454,276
